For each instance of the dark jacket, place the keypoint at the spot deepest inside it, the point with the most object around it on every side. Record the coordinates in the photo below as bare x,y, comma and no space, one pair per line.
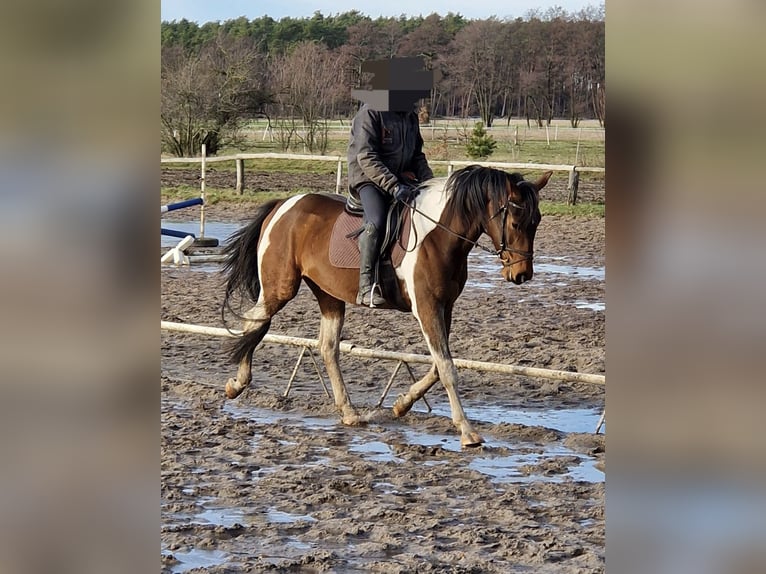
382,146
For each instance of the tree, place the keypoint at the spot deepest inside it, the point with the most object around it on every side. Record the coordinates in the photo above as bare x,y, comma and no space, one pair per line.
480,145
205,96
307,86
482,64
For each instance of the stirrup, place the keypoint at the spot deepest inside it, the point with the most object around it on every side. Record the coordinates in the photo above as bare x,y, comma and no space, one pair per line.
375,298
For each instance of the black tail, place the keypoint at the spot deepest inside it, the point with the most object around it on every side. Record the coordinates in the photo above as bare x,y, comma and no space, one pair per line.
241,272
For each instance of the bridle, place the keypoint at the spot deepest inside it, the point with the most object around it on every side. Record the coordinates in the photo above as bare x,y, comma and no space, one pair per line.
526,255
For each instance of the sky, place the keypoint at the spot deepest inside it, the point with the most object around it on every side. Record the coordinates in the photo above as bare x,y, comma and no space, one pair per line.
202,11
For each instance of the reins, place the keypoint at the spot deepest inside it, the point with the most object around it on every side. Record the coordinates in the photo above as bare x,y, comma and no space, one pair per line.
526,255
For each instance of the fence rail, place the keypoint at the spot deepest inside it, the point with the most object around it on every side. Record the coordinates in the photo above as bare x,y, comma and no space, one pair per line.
239,159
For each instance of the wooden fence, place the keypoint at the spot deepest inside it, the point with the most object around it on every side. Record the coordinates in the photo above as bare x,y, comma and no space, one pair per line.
239,159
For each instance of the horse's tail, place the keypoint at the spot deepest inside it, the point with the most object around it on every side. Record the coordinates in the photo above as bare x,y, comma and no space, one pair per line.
241,265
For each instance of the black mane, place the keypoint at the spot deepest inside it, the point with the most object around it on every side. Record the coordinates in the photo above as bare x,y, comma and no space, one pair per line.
472,189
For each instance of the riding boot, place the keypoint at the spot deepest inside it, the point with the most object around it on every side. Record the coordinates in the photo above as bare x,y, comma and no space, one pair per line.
368,258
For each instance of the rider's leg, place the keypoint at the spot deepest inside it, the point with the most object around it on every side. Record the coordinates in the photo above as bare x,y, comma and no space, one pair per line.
375,202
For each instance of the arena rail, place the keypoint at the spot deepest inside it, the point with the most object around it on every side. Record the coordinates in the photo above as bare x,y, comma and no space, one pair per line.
402,358
239,159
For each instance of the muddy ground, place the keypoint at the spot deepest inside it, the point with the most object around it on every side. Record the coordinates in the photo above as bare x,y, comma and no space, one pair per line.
266,483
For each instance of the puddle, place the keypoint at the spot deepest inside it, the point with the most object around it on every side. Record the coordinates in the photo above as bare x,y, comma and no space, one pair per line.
564,420
507,468
447,442
375,450
484,273
598,273
243,411
196,558
279,517
226,517
593,306
510,468
480,263
217,229
293,542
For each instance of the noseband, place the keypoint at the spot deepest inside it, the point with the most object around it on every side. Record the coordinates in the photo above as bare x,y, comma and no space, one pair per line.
526,255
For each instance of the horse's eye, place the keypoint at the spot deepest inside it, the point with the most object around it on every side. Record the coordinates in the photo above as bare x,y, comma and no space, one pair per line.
515,225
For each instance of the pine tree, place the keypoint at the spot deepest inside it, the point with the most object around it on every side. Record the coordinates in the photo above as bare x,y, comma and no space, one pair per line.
480,145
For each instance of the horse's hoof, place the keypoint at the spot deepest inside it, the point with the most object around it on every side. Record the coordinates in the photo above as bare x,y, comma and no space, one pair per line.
471,440
401,406
231,390
352,420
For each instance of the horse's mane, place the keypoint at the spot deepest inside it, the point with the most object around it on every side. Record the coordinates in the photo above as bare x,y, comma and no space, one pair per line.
471,189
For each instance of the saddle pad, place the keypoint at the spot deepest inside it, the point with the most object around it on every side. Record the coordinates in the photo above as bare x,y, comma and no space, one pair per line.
344,251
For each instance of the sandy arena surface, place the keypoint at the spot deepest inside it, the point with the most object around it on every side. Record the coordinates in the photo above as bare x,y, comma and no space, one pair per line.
266,483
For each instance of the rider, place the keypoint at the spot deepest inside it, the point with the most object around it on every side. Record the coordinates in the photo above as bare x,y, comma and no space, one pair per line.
385,155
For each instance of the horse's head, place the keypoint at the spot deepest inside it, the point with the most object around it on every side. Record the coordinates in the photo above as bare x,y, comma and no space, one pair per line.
513,221
502,205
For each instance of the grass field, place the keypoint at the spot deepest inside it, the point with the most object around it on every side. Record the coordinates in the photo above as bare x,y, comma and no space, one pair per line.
517,143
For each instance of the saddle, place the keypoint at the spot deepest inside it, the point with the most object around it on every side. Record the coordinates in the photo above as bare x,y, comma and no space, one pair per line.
344,247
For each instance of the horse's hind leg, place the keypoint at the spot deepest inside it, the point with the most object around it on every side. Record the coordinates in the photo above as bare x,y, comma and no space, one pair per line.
257,323
333,315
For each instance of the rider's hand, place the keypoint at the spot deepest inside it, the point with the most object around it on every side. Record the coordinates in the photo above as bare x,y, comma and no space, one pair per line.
405,193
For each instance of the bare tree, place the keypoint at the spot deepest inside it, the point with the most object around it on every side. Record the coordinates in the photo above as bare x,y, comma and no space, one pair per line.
206,95
307,86
482,64
430,41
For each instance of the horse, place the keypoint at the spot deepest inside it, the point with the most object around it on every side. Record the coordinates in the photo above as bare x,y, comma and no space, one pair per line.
288,242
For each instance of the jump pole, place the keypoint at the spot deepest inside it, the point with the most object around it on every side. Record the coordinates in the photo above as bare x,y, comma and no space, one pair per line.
353,350
181,205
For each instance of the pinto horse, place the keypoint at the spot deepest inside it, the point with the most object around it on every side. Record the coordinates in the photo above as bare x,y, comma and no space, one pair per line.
288,241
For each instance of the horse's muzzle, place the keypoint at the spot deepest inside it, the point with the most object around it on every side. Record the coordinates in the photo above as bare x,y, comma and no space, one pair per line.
517,278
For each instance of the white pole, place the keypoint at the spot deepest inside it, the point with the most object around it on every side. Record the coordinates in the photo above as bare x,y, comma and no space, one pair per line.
339,174
352,349
547,136
202,193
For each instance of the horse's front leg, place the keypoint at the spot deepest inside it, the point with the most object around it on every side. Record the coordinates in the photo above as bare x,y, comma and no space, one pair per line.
434,325
405,401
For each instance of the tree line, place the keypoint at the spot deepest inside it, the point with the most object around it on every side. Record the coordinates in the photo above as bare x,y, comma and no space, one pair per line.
299,72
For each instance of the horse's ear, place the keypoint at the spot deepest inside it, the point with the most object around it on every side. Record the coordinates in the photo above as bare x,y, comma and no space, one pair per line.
542,182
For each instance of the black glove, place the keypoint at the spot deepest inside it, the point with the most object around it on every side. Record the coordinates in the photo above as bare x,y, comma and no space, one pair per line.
405,193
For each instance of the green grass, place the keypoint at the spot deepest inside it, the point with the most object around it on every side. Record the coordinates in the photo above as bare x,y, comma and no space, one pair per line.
580,210
532,149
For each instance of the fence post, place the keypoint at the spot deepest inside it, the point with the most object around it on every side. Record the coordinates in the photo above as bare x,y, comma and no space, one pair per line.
203,241
573,185
339,174
240,175
450,167
202,192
